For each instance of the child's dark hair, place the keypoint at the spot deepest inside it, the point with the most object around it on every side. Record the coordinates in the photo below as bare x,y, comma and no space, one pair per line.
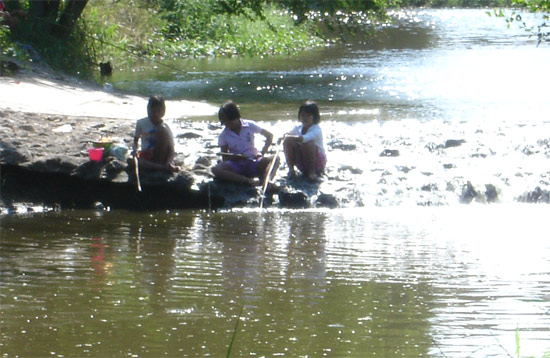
156,101
229,110
311,108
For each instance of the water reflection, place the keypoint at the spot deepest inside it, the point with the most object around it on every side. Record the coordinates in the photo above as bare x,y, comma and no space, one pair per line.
384,282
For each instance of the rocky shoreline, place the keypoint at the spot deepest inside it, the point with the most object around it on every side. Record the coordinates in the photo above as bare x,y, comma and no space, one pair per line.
44,160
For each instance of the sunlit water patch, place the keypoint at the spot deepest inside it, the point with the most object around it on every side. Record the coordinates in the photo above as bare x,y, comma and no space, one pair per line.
429,64
438,101
409,162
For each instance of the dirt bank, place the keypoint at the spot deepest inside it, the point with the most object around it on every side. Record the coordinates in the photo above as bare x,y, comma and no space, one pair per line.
48,123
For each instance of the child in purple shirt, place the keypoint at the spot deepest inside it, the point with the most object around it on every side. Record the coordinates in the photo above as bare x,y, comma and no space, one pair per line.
241,162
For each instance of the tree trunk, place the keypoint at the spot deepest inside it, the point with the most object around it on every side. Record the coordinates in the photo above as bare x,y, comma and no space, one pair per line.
70,14
53,19
12,4
43,14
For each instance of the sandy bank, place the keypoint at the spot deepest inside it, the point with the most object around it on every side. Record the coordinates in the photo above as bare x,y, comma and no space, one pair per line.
46,95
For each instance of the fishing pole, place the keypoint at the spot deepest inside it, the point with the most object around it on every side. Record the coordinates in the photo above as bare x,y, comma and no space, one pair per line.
233,155
271,170
136,165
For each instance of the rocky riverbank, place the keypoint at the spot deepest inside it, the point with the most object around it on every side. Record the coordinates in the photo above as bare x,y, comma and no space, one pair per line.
48,124
44,161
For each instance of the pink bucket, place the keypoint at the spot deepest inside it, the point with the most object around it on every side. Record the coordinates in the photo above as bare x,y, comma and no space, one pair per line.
95,154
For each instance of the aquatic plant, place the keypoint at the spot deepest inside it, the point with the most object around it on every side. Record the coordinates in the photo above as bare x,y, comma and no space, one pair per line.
234,332
518,346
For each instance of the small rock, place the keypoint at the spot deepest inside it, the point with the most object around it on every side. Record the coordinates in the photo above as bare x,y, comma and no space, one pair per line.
338,144
450,143
293,200
203,161
429,187
326,201
189,135
390,153
491,193
351,169
468,194
536,196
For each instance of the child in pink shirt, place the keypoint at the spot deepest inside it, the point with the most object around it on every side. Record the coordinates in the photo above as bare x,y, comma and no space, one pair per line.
240,159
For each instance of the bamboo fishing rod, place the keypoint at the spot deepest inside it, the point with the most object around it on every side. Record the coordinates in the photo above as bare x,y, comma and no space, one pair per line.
267,180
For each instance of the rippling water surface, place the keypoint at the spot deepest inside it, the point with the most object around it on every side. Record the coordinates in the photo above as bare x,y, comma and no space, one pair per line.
385,282
432,78
403,268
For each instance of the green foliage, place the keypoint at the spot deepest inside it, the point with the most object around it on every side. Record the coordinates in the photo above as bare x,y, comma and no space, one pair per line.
534,5
542,31
191,28
244,35
518,355
5,43
9,52
517,342
6,48
456,3
123,30
72,53
302,7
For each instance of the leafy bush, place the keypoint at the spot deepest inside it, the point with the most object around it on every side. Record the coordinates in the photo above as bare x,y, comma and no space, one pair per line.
9,51
191,28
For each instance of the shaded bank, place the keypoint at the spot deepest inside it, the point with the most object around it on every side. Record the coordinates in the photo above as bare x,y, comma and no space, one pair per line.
55,189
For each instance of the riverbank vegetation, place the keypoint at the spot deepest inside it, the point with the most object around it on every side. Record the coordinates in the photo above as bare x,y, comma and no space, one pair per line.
128,31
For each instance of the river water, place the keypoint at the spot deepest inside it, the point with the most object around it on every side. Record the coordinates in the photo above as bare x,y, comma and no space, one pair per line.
405,267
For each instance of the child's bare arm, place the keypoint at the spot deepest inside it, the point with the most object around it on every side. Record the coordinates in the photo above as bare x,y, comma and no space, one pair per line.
268,140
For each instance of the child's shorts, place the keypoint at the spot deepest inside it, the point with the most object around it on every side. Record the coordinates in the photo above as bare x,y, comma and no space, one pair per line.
246,167
146,154
320,163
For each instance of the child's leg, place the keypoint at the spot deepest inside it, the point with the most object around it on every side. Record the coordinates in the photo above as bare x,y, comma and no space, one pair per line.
263,165
308,160
290,148
224,172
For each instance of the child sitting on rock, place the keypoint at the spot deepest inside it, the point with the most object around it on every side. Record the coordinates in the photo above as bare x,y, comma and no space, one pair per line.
241,161
303,145
157,142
